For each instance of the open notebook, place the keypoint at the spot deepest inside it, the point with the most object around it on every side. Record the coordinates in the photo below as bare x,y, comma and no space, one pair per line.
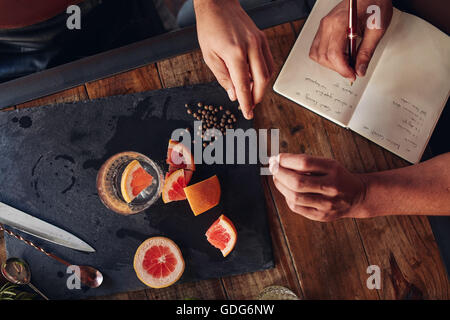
397,103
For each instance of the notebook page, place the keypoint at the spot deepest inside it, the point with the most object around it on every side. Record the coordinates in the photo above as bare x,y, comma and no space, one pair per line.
315,87
408,89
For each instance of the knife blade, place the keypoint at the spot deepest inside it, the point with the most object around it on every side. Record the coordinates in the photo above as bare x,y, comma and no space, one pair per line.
41,229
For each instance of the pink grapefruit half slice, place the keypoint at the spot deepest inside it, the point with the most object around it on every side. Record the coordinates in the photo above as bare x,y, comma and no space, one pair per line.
158,262
174,184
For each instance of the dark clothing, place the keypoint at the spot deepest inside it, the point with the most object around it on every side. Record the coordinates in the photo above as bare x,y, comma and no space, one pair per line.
440,140
105,25
19,13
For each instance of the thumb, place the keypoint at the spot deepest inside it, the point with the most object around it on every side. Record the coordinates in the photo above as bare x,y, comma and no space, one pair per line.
366,50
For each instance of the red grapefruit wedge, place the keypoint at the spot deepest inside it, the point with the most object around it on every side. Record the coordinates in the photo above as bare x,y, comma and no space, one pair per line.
158,262
222,235
179,157
134,180
174,184
187,174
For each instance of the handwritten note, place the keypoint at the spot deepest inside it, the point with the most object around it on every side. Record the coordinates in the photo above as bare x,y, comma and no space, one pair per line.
399,124
412,119
332,99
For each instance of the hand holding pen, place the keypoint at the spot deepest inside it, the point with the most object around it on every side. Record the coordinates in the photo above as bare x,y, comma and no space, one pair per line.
330,46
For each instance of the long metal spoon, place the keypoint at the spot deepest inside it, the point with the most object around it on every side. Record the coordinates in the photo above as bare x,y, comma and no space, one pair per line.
89,276
17,271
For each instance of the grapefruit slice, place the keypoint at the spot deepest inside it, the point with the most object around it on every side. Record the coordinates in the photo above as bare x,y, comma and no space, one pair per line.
179,157
134,180
222,235
203,195
187,174
158,262
173,186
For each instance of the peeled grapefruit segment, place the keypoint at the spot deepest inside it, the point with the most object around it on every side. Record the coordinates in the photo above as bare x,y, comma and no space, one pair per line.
173,186
179,157
158,262
203,195
134,180
222,235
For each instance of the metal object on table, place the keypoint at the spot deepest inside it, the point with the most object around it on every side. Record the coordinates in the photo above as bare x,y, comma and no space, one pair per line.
277,293
17,271
89,276
41,229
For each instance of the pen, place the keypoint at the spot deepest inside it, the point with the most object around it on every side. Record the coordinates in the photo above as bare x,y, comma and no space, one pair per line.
352,33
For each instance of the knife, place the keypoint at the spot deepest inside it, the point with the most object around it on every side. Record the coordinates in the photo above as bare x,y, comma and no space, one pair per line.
41,229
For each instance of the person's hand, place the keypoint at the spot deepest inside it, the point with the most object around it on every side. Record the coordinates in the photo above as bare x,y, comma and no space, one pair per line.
318,188
235,50
330,44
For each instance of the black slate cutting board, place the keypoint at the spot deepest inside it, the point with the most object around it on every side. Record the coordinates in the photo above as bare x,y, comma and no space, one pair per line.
49,158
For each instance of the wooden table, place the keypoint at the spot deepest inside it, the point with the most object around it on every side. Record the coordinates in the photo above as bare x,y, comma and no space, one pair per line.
316,260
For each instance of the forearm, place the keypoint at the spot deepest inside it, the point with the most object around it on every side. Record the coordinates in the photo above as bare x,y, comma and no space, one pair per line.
201,6
422,189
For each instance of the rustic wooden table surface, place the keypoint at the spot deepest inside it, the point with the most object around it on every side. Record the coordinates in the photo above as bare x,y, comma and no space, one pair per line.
315,260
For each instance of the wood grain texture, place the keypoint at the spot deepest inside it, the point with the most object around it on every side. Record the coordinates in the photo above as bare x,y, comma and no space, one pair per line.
186,69
246,286
203,290
404,247
137,80
329,257
190,69
70,95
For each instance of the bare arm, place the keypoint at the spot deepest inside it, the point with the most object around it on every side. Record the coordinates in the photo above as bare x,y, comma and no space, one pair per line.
415,190
321,189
